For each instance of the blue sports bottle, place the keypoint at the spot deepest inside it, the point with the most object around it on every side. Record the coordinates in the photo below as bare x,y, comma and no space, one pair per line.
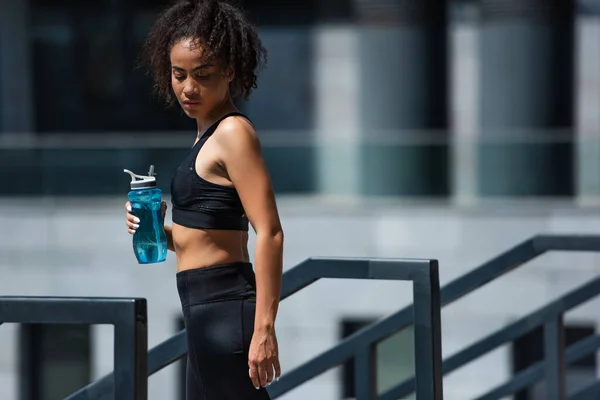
149,240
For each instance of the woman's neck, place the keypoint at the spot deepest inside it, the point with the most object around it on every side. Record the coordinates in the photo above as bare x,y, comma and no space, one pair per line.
207,121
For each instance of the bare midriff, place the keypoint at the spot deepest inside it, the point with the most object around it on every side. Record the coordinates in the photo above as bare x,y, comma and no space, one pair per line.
199,248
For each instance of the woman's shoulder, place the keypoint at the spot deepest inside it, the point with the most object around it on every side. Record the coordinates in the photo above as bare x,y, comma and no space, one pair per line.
235,131
236,121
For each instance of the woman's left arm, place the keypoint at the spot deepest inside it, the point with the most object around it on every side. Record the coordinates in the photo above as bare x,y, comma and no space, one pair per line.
243,161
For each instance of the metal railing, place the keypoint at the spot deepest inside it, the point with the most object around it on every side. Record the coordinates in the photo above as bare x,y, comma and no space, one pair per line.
549,316
556,356
129,380
427,332
424,314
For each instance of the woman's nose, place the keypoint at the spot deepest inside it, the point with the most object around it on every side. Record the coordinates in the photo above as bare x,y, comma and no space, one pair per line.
189,89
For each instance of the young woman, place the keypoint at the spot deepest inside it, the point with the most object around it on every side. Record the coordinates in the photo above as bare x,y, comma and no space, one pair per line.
204,53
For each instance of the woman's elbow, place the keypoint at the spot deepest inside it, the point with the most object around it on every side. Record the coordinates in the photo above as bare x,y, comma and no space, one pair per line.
271,233
277,235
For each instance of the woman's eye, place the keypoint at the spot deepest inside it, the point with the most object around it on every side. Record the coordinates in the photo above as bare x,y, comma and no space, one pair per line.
179,77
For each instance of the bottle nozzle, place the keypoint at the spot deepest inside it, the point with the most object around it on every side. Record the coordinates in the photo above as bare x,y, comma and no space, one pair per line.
139,181
133,176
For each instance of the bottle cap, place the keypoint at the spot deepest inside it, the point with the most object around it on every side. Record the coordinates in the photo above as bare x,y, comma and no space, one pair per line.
143,182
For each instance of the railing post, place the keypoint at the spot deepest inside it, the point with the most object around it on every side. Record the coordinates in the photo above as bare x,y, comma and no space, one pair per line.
130,354
554,351
365,373
427,331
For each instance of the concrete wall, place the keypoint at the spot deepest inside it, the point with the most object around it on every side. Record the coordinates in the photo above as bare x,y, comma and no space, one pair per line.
80,247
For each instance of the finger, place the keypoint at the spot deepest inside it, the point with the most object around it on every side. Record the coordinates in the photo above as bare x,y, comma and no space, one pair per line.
132,225
254,376
128,206
270,373
277,368
132,218
131,231
262,375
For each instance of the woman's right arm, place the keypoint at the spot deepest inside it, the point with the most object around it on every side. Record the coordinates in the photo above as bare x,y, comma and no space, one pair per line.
132,223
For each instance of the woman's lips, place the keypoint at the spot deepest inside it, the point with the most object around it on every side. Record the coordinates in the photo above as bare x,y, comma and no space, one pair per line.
191,104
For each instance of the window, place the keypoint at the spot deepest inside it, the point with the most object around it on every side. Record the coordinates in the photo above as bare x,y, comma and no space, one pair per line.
55,360
395,359
529,349
85,77
332,11
281,13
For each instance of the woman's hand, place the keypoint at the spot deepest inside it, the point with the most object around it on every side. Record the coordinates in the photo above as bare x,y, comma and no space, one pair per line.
263,358
133,222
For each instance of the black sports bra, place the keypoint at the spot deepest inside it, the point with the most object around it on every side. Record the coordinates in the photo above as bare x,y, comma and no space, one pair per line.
198,203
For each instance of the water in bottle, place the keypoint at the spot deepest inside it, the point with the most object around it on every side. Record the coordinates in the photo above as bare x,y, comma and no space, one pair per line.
149,240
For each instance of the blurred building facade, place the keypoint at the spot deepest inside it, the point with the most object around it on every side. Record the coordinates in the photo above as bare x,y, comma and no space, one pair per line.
430,130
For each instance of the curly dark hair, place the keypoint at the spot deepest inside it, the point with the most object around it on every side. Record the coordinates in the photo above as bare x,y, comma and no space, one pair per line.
223,30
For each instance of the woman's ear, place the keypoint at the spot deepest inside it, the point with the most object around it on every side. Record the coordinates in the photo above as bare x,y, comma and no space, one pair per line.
230,74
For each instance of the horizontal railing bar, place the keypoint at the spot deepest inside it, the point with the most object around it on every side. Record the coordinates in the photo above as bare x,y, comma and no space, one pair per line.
376,332
316,268
504,335
369,268
65,310
590,391
536,371
545,243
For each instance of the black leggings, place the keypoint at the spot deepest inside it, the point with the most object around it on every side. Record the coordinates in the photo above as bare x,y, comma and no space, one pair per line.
218,306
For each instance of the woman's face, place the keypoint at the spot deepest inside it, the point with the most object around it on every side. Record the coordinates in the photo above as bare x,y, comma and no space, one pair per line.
199,87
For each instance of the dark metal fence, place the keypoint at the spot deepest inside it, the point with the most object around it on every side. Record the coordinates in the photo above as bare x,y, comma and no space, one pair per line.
129,381
426,312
